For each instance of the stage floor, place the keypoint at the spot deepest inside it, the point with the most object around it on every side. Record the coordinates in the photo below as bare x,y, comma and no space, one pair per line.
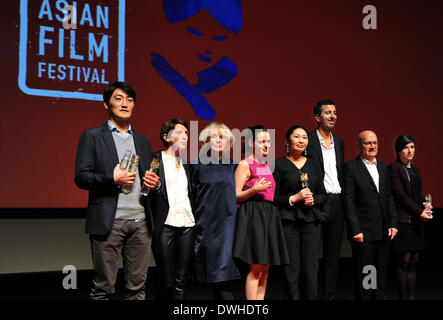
48,285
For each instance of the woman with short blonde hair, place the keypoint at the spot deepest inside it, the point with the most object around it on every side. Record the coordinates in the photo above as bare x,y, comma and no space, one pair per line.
216,210
213,128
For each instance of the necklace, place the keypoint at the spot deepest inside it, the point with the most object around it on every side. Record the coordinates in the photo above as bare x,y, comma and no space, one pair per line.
177,159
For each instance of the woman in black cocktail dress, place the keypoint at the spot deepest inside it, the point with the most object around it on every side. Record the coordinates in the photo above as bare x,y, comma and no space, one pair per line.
411,214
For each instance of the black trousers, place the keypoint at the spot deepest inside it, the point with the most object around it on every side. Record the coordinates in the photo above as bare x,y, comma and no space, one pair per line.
174,254
332,233
366,254
303,241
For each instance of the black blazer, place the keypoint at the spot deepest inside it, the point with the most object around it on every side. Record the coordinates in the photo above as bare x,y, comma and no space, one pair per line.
94,171
367,210
407,209
287,181
159,200
314,151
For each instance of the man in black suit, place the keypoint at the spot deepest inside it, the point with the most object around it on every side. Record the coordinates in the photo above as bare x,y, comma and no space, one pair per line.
119,220
371,215
328,150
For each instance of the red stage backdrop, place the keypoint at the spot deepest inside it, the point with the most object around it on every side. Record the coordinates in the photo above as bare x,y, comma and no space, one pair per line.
266,62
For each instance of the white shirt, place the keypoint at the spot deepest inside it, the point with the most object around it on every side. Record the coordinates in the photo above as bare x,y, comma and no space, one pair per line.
330,166
372,168
180,211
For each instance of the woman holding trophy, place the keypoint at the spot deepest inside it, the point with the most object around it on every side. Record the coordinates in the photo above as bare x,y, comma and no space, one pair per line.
411,214
173,214
300,196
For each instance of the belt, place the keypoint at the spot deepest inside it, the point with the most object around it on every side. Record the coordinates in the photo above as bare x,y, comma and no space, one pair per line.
134,220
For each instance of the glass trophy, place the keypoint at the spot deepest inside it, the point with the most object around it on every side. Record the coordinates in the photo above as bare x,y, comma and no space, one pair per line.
132,167
155,164
125,160
428,200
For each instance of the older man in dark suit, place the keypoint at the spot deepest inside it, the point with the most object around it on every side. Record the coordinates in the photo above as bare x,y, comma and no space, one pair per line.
328,150
371,215
118,219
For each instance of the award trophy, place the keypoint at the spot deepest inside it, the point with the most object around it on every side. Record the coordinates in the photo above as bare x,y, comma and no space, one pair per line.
132,167
155,163
125,160
134,163
304,179
428,200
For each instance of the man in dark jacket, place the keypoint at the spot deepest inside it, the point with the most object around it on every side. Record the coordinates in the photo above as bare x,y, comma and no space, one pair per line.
371,216
118,219
328,150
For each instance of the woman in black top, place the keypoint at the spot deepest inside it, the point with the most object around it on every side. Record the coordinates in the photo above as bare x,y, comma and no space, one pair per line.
301,212
411,213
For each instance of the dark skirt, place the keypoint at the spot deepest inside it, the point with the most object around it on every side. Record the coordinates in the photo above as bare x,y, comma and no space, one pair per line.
410,237
259,236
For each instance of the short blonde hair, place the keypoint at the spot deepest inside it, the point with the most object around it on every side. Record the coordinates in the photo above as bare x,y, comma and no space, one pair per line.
205,134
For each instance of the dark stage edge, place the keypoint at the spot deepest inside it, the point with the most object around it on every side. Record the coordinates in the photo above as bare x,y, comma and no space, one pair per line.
41,294
48,285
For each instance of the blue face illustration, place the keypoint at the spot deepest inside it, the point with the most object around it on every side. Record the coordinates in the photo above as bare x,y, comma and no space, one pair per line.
226,12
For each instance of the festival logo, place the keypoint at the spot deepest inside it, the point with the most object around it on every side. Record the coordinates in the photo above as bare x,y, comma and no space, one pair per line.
228,13
71,49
